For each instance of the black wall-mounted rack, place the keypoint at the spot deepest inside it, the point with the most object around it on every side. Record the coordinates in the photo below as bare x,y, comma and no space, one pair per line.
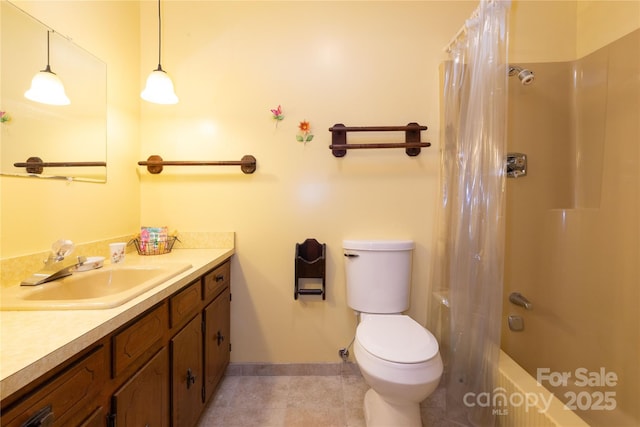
310,263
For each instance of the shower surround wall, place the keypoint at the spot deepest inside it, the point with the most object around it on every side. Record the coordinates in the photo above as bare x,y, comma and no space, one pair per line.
573,229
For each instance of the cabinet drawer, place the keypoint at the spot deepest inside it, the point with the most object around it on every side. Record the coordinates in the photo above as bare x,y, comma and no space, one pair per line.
67,398
136,343
215,281
185,304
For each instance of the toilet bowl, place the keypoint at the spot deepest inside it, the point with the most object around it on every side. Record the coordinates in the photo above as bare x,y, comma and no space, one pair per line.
400,361
398,358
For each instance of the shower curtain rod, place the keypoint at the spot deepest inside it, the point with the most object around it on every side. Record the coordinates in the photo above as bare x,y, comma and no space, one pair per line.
455,38
465,27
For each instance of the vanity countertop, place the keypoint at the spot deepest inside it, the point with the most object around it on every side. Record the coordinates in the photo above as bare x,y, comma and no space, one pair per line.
34,342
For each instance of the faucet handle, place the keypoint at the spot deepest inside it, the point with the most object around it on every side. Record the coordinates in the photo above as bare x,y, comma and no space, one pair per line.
62,248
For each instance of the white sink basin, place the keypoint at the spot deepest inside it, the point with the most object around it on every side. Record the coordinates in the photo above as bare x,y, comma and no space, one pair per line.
107,287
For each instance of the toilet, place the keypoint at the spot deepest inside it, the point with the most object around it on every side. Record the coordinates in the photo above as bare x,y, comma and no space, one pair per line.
398,358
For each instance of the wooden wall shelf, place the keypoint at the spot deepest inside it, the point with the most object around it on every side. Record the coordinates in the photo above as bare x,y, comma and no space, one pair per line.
412,144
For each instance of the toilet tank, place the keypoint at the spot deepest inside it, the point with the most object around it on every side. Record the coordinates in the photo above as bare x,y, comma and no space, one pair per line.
378,274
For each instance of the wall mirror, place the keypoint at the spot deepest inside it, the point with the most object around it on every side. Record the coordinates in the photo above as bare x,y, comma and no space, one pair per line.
69,140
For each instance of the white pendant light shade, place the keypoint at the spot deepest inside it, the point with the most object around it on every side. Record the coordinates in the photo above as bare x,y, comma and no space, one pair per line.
159,88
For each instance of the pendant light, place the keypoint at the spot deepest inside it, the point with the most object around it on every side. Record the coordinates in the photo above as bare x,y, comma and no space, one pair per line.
46,86
159,88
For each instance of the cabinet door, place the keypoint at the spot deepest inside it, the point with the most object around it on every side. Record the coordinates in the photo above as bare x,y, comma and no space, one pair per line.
144,399
217,343
186,374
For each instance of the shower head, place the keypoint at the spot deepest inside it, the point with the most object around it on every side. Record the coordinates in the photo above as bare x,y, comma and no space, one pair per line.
526,76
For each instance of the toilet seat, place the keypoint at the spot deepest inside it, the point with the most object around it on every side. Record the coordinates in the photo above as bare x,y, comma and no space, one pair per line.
396,338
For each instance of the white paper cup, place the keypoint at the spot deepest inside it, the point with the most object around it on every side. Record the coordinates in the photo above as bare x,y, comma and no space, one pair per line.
116,252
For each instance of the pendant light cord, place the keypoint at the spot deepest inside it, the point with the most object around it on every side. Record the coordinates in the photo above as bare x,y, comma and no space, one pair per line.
48,33
48,68
159,38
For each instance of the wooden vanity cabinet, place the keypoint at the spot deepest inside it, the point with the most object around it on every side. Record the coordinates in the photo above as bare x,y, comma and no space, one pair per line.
158,370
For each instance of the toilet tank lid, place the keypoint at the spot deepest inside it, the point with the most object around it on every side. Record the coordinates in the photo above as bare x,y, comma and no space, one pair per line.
378,245
396,338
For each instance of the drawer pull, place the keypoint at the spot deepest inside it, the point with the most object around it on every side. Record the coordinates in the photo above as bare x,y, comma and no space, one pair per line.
42,418
220,278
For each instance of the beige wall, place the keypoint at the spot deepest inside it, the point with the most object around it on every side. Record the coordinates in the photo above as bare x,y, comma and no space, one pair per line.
599,23
559,30
542,30
357,63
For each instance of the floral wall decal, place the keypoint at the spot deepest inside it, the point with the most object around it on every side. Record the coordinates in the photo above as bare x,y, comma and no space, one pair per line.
4,116
304,135
277,114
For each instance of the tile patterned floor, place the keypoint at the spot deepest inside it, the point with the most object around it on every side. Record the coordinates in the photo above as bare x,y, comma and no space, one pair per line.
305,401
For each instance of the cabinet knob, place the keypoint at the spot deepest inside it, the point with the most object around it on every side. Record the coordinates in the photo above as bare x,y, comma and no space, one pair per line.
220,278
219,337
191,379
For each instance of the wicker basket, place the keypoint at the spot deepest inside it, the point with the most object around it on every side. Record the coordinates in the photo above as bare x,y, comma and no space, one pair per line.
156,247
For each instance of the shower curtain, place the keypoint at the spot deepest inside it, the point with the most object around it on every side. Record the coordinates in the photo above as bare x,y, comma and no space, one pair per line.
472,211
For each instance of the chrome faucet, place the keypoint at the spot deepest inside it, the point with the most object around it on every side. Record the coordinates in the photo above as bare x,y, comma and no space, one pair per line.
518,299
57,265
